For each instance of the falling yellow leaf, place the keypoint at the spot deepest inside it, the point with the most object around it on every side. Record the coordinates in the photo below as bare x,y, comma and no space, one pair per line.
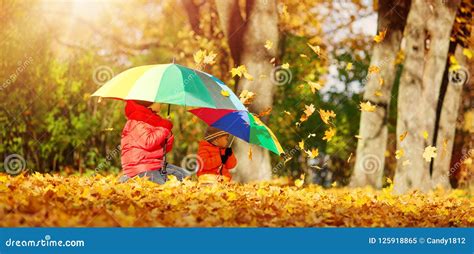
241,71
285,66
250,153
367,106
268,44
203,57
349,66
246,97
430,152
374,69
316,49
400,57
328,134
301,145
248,76
381,81
311,135
380,36
402,137
209,59
299,182
313,153
303,56
454,64
399,153
334,184
272,60
467,52
358,136
266,112
314,86
349,159
225,93
309,110
286,112
199,56
326,115
378,93
425,135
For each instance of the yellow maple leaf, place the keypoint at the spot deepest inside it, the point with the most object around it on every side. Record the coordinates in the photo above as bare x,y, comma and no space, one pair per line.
268,44
300,182
399,153
313,153
301,145
199,56
425,135
225,93
210,58
328,134
380,36
349,66
246,97
309,110
314,86
248,76
326,115
374,69
403,136
367,106
429,152
467,52
316,49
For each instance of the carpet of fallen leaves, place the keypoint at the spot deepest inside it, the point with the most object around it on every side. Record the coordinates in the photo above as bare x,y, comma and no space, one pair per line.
52,200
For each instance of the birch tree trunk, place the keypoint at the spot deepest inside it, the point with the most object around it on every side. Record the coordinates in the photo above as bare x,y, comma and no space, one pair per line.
246,39
447,123
370,160
427,36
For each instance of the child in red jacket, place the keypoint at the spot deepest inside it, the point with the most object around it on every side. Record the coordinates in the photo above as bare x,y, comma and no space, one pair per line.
145,138
217,158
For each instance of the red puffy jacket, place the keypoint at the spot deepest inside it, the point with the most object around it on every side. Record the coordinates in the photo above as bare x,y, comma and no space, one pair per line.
211,160
143,139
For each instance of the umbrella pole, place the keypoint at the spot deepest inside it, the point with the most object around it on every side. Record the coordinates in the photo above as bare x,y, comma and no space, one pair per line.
165,163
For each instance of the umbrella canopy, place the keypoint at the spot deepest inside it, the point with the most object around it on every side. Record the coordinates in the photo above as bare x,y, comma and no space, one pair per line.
241,124
172,84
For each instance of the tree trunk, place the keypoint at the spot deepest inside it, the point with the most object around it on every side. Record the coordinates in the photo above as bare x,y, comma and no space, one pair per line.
427,36
370,158
447,122
261,24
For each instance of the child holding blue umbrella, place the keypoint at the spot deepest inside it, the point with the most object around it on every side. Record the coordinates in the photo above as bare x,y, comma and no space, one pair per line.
216,156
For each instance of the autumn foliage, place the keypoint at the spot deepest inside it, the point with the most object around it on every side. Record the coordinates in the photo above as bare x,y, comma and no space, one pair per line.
53,200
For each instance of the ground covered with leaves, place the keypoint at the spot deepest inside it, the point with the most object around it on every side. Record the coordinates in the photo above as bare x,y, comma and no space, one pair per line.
45,200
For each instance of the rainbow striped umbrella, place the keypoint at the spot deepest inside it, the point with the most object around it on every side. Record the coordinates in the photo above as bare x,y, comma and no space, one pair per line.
241,124
172,84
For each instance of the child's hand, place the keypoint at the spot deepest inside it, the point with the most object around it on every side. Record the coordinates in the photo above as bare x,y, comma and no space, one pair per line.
227,154
228,151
